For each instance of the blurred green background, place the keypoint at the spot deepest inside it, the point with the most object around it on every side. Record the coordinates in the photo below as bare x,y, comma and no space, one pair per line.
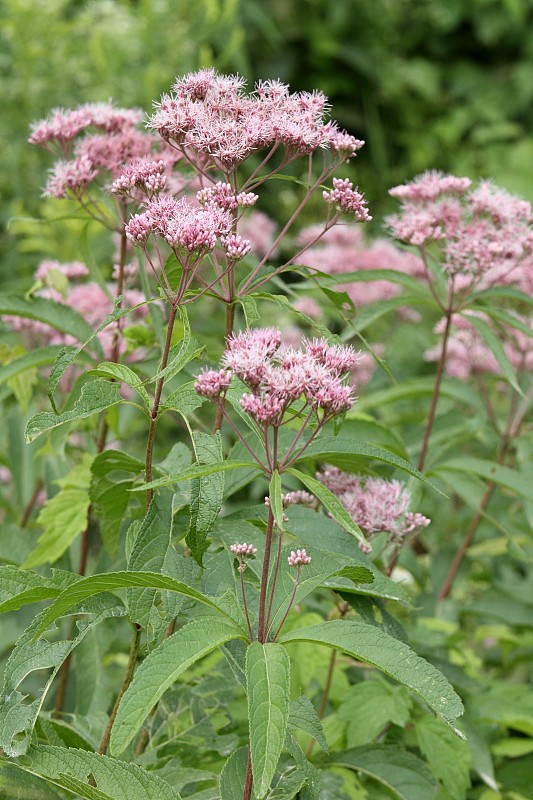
428,83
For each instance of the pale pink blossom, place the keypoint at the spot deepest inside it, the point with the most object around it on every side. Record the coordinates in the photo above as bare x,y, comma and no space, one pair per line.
243,550
298,558
70,178
72,270
347,200
143,174
212,383
235,246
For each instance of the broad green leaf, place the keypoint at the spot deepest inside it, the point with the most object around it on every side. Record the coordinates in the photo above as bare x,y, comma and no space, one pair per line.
394,658
196,472
160,670
63,516
251,312
374,311
18,587
95,396
328,448
116,779
123,374
16,783
276,500
185,400
233,776
506,705
110,497
303,717
59,316
288,786
448,756
496,347
405,775
268,681
330,502
35,358
109,582
369,707
490,471
17,716
148,554
206,493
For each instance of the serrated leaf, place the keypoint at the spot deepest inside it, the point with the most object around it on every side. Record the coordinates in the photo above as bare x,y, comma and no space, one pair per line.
191,473
268,681
303,717
369,707
251,312
109,582
405,775
448,756
160,669
63,516
233,775
206,493
327,448
19,587
95,396
394,658
123,374
330,502
116,779
185,400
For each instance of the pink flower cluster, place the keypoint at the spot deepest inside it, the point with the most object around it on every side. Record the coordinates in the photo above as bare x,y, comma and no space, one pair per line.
72,270
143,174
347,200
277,376
61,126
243,550
223,196
212,115
298,558
485,234
375,504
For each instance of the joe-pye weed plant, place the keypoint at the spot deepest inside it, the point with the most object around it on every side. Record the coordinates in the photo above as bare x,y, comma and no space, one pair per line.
190,510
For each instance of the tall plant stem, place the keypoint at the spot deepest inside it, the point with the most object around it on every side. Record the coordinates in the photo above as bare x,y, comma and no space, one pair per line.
230,322
261,627
26,514
128,675
436,391
511,431
157,399
248,782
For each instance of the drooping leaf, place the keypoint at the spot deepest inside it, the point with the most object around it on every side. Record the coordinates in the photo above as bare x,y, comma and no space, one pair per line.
95,396
111,581
206,493
123,374
448,756
268,681
303,717
116,779
63,516
405,775
19,587
417,388
330,502
159,671
394,658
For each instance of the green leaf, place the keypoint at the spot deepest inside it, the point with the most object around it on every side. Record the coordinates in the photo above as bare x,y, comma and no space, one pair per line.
330,502
276,500
35,358
251,312
490,471
59,316
19,587
63,516
233,775
268,681
109,582
115,779
327,448
206,493
285,303
405,775
123,374
195,472
185,400
496,347
448,756
160,670
303,717
417,388
95,396
369,707
394,658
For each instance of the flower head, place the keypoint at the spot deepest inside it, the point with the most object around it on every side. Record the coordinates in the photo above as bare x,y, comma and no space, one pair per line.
298,558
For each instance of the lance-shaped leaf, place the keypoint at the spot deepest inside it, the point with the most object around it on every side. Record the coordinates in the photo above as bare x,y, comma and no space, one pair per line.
330,502
491,471
71,768
417,388
110,498
497,349
276,500
450,758
233,775
394,658
35,358
191,473
206,493
95,396
185,400
330,447
123,374
159,671
19,587
111,581
303,717
405,775
268,680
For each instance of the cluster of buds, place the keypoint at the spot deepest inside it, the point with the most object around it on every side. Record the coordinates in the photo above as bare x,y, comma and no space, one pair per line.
299,497
298,558
243,551
347,200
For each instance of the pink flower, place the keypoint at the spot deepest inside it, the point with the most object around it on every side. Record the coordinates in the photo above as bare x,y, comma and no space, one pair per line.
211,383
298,558
347,200
70,177
143,174
73,270
243,550
235,247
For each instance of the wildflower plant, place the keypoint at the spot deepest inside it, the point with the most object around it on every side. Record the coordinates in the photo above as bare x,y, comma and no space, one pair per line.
217,488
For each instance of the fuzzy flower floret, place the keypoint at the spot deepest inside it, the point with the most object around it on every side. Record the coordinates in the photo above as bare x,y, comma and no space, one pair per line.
243,550
347,200
298,558
142,173
212,383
